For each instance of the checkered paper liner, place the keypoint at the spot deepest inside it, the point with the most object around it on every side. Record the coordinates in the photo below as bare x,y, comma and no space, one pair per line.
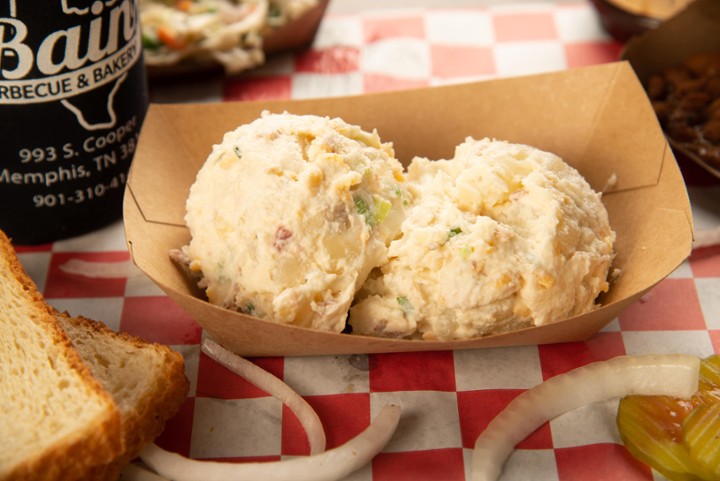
447,398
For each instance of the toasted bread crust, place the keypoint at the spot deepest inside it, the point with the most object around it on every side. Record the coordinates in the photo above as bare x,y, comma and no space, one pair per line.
146,420
99,452
73,457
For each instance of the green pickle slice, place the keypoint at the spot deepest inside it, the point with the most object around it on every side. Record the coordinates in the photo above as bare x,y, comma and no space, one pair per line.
679,438
701,436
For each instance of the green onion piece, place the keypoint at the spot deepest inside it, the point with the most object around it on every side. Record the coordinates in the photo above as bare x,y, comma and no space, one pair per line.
364,210
362,206
404,304
238,152
150,42
382,208
454,231
398,192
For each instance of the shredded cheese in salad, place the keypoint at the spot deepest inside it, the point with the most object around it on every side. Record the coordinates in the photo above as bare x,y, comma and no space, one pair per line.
228,32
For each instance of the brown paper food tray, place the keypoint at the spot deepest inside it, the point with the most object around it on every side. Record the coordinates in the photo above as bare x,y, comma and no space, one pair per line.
598,119
695,29
295,35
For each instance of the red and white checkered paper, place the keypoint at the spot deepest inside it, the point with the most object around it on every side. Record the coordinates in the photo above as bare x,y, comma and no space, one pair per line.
447,398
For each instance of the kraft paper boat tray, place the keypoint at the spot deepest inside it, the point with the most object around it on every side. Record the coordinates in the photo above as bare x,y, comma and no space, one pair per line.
597,118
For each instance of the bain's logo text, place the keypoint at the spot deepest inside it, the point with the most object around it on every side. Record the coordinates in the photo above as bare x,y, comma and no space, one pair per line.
98,44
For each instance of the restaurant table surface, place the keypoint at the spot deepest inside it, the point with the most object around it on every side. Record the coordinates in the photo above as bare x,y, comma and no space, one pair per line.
447,398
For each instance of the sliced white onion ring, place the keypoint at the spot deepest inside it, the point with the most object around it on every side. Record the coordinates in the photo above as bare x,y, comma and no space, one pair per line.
331,465
272,385
671,375
99,270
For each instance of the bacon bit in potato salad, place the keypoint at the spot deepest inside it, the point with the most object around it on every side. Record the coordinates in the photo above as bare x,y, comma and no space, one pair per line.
282,235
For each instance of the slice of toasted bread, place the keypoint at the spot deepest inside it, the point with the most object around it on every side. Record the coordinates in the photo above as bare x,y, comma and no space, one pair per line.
56,420
146,380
